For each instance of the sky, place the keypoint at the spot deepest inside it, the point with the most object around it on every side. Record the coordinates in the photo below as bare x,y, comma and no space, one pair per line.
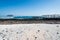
29,7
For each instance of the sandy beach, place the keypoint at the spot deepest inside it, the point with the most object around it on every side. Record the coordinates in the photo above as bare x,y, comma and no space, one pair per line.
30,32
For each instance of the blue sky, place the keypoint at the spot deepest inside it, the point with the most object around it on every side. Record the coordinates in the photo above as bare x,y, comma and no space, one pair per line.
29,7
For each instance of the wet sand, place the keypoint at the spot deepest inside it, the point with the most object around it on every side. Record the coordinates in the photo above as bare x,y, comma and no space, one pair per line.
17,21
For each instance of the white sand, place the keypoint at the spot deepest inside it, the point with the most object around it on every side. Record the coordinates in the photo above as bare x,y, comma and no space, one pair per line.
30,32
